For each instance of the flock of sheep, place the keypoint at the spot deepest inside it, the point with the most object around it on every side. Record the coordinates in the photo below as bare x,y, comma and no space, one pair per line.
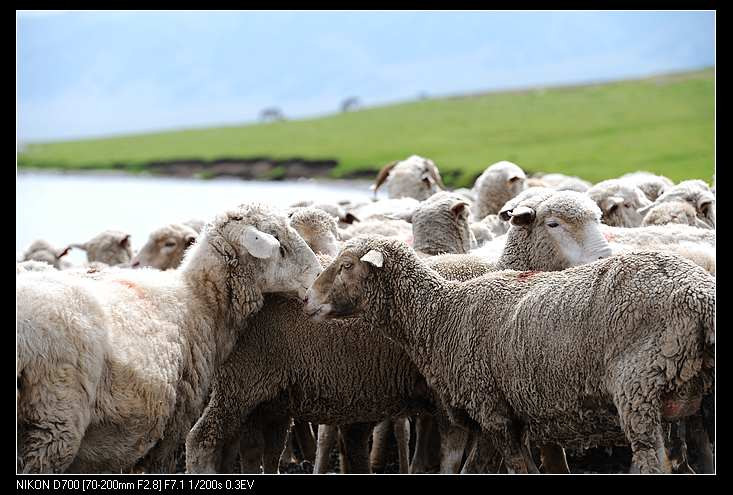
498,326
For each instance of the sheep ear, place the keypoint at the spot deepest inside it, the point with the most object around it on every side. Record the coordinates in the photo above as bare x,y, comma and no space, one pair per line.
505,215
435,173
374,257
349,218
382,176
703,205
64,252
259,244
522,215
611,203
125,241
459,208
644,209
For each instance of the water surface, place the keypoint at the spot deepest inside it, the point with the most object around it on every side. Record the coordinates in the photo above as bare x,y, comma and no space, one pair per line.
72,208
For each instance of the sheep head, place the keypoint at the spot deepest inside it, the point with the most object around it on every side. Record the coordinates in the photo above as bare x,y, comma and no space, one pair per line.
415,177
621,202
318,228
351,283
554,232
258,249
165,247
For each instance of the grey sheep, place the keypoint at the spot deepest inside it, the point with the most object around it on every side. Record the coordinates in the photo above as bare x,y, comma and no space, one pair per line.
549,354
361,379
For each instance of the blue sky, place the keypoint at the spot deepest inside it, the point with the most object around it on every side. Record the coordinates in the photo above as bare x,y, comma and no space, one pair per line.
101,73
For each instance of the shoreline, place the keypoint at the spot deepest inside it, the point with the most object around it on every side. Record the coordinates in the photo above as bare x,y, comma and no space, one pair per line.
101,173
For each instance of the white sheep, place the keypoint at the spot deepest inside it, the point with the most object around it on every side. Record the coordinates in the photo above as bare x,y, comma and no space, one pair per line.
696,193
495,186
652,185
165,247
111,247
620,201
114,368
414,177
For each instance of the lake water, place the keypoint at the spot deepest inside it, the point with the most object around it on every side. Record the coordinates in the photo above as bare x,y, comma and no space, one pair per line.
73,208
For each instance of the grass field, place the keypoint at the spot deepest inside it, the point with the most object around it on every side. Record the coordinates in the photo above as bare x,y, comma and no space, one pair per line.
663,124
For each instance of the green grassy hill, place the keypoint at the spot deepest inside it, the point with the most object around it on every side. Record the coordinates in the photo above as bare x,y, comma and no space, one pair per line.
663,124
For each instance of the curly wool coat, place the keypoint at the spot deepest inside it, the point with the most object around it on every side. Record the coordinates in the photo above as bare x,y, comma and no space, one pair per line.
594,355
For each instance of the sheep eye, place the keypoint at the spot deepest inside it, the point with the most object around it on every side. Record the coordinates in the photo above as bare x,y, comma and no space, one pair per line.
236,218
552,224
347,265
170,243
626,205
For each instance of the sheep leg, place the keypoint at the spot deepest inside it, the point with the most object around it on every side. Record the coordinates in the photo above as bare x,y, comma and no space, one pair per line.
483,456
423,428
275,433
52,427
527,454
227,463
379,445
453,440
326,439
699,443
402,434
509,436
306,442
251,446
288,455
355,438
677,451
553,459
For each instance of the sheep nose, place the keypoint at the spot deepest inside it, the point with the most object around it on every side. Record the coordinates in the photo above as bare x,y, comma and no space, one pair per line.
135,264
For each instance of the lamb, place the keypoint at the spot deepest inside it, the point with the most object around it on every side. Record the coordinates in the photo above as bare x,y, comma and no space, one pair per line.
696,193
619,201
651,185
515,333
165,247
111,247
113,369
415,177
43,251
498,184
